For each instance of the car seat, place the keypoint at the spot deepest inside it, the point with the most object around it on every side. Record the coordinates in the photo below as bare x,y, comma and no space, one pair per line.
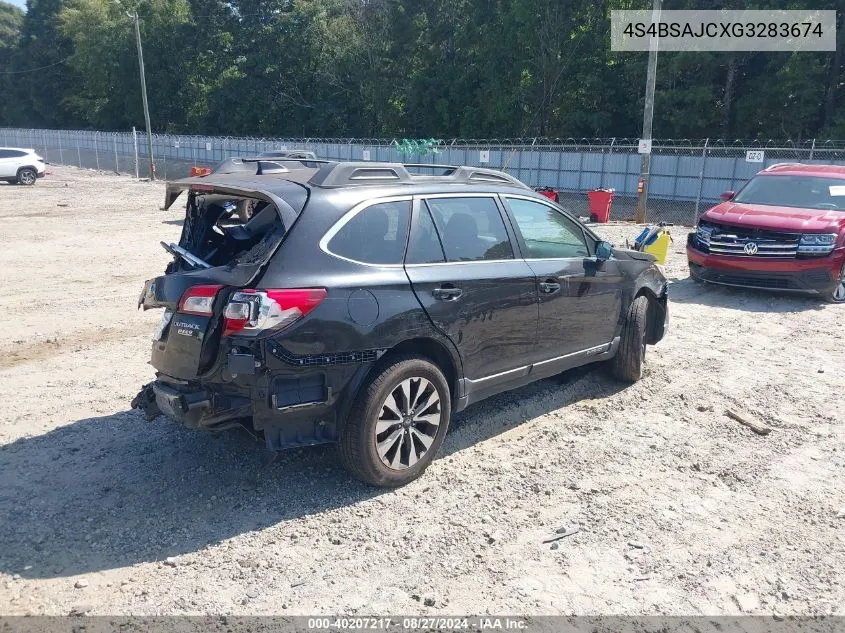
461,237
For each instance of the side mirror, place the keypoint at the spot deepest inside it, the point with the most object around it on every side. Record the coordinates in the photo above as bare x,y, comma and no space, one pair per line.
603,251
728,195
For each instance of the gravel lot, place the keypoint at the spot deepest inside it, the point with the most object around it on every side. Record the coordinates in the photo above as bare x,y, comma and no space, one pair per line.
681,510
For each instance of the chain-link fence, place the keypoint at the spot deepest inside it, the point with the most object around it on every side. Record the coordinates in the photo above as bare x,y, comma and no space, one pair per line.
686,176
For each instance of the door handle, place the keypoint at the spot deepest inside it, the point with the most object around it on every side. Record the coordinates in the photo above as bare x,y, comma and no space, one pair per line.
447,293
549,287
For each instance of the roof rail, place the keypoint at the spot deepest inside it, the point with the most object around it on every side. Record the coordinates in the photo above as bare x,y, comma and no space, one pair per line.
372,173
275,166
282,159
771,167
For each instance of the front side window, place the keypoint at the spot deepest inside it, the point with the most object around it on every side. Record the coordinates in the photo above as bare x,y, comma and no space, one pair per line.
805,192
471,229
548,234
375,235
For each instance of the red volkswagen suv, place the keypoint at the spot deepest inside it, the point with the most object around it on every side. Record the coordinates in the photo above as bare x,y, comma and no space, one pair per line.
784,230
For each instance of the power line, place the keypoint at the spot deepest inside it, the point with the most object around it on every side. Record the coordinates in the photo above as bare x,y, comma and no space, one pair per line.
32,70
53,20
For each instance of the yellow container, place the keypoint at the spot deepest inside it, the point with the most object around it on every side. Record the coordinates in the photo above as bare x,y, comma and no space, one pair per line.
659,247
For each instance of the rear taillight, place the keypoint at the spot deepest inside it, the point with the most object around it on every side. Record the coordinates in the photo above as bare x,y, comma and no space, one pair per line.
250,312
199,300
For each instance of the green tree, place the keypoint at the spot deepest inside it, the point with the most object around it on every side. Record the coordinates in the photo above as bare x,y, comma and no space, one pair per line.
33,95
11,19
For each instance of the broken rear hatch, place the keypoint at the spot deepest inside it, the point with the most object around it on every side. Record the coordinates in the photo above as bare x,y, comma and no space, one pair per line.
214,257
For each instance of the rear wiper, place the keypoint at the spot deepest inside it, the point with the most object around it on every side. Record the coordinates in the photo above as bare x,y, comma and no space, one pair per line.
179,252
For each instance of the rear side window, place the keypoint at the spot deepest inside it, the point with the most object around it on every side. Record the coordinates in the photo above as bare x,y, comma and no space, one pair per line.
375,235
5,153
471,229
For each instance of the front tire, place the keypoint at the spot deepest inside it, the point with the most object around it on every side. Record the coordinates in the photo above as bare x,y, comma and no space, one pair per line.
27,176
628,363
837,295
397,423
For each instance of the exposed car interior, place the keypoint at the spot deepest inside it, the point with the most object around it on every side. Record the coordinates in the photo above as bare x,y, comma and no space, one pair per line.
214,236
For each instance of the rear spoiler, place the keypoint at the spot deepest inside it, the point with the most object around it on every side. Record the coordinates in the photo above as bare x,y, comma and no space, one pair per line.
263,167
171,193
176,187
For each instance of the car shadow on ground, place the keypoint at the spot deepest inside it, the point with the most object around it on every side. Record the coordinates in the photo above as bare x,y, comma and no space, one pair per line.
174,222
113,491
747,299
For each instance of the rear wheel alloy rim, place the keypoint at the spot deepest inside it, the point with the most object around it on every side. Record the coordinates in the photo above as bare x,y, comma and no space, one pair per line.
27,177
839,293
407,423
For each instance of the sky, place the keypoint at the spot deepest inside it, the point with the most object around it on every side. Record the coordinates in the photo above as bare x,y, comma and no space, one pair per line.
18,3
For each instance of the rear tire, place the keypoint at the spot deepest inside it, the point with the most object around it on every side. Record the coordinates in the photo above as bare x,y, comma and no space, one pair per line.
628,363
27,176
390,438
245,210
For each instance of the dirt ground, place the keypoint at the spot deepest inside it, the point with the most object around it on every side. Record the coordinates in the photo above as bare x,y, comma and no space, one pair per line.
680,509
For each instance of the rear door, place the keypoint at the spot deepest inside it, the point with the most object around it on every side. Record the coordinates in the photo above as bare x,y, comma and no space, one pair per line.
468,276
580,298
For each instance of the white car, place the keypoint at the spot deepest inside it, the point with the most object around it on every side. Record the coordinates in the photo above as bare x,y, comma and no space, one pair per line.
22,166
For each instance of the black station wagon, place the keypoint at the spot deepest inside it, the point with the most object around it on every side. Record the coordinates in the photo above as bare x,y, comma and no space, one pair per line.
363,303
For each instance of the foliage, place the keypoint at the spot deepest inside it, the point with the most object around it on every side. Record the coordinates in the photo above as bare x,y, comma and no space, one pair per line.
11,19
397,68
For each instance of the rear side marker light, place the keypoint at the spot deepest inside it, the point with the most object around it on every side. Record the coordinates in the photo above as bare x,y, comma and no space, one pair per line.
199,300
251,312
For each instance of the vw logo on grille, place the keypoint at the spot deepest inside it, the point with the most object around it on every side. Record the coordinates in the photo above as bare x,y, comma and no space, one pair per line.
751,248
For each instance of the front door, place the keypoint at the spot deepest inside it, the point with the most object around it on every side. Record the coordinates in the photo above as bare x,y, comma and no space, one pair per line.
477,291
580,297
8,164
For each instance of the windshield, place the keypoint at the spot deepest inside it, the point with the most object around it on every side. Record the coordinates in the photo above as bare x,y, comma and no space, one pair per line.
806,192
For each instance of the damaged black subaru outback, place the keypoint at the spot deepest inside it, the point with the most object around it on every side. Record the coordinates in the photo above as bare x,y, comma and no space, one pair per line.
363,303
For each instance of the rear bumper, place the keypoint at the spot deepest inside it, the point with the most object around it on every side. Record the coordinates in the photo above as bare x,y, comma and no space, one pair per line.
291,409
192,407
818,275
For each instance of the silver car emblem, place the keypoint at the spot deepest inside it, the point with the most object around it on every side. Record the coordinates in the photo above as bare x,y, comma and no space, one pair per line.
750,248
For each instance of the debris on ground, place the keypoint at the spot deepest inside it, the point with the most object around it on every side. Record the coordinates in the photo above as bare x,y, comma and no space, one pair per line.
562,532
743,418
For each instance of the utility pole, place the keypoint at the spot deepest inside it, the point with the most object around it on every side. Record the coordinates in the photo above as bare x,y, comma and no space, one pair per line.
134,17
648,115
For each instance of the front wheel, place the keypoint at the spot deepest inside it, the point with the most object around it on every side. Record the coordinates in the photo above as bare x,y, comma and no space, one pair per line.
838,293
397,424
628,363
27,176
